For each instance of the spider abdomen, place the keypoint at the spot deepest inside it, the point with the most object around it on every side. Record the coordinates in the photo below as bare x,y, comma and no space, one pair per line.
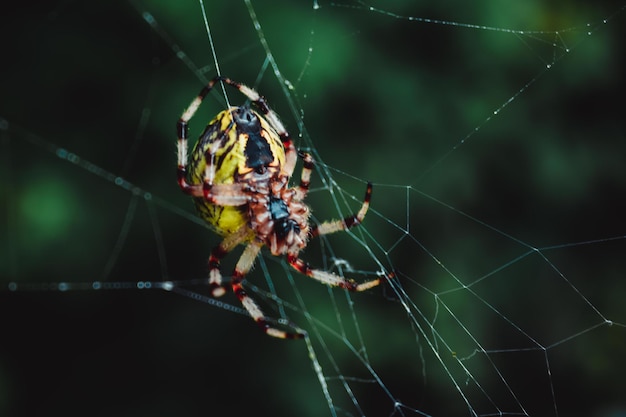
243,147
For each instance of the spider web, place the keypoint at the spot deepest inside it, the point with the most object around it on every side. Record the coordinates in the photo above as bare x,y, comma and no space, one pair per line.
494,136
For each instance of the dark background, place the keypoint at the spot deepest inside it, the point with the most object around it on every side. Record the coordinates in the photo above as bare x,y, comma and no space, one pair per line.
462,197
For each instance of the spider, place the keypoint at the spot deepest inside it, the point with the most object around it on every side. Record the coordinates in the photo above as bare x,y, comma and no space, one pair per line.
239,177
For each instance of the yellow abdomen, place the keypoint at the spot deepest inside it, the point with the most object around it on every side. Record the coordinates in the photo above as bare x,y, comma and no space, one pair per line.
223,143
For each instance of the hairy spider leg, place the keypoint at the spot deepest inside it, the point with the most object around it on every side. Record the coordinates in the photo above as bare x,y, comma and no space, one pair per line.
347,222
332,227
243,267
216,286
305,177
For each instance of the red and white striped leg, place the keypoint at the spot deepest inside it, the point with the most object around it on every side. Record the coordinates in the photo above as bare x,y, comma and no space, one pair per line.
218,253
243,267
330,278
348,222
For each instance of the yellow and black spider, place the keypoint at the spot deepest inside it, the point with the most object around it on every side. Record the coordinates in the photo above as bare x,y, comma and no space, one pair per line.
239,177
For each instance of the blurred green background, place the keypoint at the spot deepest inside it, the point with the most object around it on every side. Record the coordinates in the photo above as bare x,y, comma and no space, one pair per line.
406,104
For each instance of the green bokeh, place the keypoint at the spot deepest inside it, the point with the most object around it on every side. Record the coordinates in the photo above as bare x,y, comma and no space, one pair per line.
401,103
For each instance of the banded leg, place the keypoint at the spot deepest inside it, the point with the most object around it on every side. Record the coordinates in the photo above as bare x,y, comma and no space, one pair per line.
182,131
218,253
305,177
332,227
218,194
328,277
347,222
241,269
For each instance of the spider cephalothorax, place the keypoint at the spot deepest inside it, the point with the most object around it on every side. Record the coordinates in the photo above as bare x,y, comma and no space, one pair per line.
239,177
280,220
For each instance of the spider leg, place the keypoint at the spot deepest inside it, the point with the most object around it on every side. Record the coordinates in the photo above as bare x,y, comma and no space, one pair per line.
218,194
305,178
182,130
241,269
346,223
328,277
332,227
218,253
